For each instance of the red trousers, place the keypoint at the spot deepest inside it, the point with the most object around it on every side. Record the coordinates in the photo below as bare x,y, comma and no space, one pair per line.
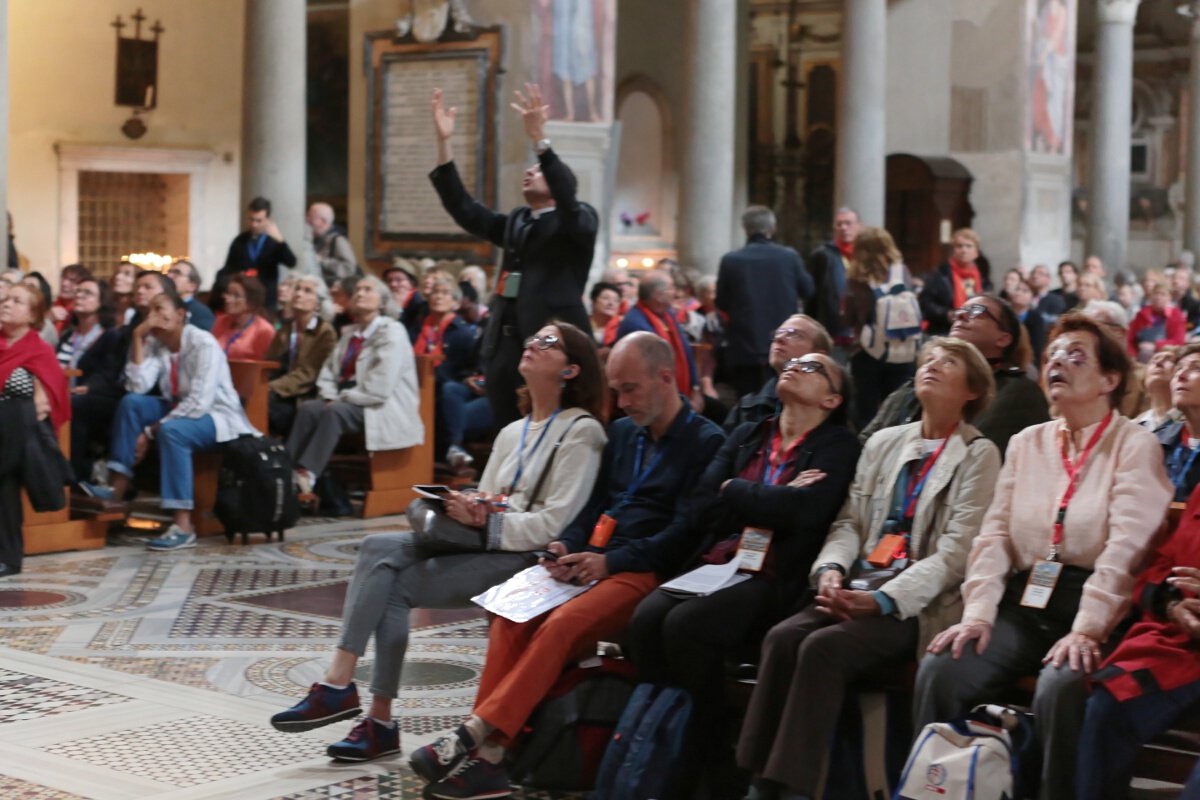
524,659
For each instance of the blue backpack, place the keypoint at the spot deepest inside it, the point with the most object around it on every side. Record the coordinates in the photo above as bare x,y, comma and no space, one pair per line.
643,755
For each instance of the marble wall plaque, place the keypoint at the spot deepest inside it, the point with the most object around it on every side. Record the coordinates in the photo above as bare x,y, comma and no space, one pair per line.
408,148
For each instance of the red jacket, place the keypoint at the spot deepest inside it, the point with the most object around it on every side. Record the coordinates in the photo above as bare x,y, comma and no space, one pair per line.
1156,653
1147,317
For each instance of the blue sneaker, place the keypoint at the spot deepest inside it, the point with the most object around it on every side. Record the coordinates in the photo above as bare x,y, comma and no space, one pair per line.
176,538
367,741
472,779
98,490
434,761
322,705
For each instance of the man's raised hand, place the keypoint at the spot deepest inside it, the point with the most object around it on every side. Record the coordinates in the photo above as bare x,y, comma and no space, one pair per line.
443,118
533,110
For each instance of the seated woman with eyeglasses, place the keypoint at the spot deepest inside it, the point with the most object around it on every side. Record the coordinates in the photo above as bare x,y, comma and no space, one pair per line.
767,499
538,478
1050,574
1179,437
887,578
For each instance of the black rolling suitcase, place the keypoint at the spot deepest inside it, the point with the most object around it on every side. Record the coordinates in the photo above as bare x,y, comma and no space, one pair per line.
254,491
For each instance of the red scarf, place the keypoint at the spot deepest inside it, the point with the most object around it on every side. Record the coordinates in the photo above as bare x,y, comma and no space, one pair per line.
36,356
432,338
846,249
666,329
967,281
610,330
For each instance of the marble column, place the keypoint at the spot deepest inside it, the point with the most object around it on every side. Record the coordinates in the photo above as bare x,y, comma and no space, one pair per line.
707,134
273,111
1112,121
1191,227
862,110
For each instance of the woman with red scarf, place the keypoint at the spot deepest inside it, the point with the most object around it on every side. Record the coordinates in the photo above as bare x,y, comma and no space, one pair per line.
29,377
964,275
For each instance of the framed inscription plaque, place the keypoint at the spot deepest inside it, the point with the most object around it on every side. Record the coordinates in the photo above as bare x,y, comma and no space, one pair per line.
404,215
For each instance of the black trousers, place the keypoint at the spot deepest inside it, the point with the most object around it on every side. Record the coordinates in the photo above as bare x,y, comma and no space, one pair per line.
684,641
502,379
12,448
281,413
91,422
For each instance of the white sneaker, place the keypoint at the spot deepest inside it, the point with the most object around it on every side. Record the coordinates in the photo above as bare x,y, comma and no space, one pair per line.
176,538
304,484
458,458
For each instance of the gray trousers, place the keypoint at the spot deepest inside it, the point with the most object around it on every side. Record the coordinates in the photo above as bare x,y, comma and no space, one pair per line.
948,688
808,661
317,429
392,577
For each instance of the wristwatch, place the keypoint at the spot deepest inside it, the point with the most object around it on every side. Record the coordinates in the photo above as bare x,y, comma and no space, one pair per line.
541,146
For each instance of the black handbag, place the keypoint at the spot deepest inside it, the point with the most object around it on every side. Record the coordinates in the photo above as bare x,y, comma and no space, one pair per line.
44,468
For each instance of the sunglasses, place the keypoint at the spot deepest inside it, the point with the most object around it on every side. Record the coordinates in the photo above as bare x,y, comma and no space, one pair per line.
975,311
809,366
544,342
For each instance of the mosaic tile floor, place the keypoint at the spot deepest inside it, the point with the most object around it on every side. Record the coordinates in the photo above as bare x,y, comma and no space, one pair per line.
125,674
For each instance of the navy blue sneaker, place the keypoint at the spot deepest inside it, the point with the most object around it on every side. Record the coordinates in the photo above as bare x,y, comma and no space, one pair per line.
367,741
321,706
434,761
472,779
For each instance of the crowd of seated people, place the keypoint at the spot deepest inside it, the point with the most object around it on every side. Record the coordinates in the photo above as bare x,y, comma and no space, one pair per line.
986,473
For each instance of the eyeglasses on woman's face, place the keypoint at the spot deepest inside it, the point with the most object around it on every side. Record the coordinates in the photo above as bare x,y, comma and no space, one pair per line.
809,366
546,342
975,311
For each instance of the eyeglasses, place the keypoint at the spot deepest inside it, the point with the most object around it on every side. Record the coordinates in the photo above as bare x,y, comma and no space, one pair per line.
544,342
975,311
787,334
809,366
1076,356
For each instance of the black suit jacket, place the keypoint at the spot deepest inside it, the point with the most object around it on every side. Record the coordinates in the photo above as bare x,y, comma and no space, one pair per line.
554,256
273,254
759,286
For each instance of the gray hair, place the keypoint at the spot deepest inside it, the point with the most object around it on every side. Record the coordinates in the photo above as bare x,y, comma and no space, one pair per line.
445,279
475,276
389,307
1107,312
193,274
652,282
758,220
324,303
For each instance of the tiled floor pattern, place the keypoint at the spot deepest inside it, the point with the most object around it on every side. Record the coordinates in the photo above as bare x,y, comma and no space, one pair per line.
125,674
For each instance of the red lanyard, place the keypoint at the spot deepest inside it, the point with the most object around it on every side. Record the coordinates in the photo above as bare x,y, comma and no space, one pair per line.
775,462
918,483
1073,470
175,378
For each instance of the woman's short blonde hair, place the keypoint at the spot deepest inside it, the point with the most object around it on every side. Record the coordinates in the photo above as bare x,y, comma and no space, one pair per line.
979,372
446,281
967,233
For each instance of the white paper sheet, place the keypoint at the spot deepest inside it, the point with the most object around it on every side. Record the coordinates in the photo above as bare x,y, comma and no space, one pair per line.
528,594
707,579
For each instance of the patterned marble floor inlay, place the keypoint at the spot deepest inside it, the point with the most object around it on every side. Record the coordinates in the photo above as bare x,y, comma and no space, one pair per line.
133,675
186,752
24,697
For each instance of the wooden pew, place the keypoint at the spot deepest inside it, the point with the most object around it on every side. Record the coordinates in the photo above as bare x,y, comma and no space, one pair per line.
390,474
250,379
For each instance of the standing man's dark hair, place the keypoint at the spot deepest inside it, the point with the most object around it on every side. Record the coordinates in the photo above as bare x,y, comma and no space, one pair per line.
259,252
548,245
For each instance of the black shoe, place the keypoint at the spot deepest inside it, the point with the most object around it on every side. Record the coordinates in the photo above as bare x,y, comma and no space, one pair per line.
6,570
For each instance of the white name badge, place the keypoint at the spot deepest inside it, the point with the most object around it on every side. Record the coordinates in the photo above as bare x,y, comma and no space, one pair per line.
752,549
1042,580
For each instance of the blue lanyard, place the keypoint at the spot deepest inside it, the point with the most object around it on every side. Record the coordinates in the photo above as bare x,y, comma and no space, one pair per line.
640,475
292,347
1179,469
521,449
239,333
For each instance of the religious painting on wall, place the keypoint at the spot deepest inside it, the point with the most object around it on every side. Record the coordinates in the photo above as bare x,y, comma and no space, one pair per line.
1051,25
575,53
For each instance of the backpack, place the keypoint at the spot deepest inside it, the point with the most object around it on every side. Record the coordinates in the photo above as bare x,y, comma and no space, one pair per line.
643,756
254,488
561,745
895,330
976,758
870,745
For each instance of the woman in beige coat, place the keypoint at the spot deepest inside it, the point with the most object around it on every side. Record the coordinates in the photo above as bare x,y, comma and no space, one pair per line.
915,506
368,385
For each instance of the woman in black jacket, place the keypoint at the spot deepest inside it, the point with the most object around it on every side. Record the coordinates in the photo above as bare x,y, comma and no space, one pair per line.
92,344
767,499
